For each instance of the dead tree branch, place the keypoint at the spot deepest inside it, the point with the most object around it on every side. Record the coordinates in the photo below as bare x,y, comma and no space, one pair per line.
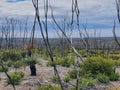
46,40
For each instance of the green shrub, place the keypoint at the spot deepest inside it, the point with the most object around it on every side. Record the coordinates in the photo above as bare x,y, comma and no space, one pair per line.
114,57
87,75
43,53
16,77
54,79
96,65
8,63
73,74
83,53
50,63
2,70
30,60
67,61
63,61
87,82
49,87
66,79
23,54
117,62
114,76
11,55
103,78
17,64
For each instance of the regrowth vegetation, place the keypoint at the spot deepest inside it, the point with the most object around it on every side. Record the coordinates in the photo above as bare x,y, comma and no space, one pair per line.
75,67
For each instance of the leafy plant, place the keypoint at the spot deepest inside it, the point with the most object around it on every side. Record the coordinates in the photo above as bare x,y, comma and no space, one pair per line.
66,79
16,77
117,62
87,82
8,63
30,60
54,79
17,64
11,55
23,54
63,61
114,76
83,53
96,65
103,78
2,70
67,61
73,74
49,87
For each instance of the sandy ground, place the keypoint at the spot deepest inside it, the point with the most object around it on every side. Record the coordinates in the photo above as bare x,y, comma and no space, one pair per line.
44,74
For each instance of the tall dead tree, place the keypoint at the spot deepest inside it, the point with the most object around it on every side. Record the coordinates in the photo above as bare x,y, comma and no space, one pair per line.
25,32
44,27
114,26
75,12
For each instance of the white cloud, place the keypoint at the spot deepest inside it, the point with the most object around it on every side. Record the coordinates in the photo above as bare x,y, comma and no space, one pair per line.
94,11
87,7
17,8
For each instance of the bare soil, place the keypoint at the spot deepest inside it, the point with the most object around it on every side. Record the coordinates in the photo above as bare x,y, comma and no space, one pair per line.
44,74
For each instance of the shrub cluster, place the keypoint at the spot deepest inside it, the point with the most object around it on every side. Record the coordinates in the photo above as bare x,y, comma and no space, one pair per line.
87,82
63,61
54,79
49,87
103,78
96,65
16,77
10,55
72,74
30,60
2,70
100,68
66,78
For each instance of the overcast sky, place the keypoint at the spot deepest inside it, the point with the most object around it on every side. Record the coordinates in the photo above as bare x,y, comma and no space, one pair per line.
98,14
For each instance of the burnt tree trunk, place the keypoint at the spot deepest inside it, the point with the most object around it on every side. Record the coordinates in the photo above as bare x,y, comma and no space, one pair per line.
32,66
33,69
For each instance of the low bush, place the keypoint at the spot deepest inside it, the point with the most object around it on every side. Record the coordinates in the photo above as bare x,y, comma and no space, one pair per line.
23,54
114,57
114,76
54,79
17,64
30,60
9,63
2,70
66,79
103,78
49,87
83,53
11,55
50,63
87,82
96,65
63,61
72,74
16,77
117,62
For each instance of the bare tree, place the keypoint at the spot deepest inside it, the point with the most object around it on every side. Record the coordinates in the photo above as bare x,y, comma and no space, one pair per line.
75,11
114,26
45,36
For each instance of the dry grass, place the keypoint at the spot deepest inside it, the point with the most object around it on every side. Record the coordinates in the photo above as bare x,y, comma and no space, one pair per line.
114,88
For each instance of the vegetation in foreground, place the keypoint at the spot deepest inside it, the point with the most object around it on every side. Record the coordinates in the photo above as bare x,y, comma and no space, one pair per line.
94,70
